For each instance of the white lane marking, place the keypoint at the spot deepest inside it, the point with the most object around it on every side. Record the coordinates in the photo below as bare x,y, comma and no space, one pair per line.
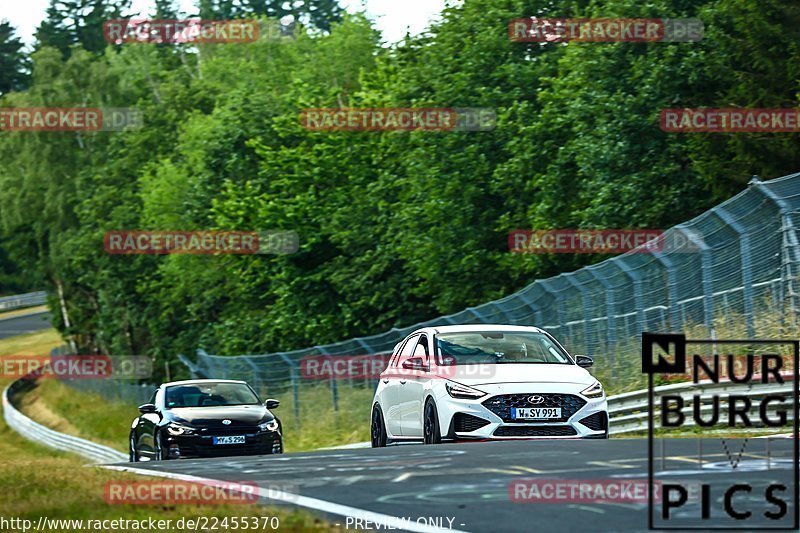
402,477
384,520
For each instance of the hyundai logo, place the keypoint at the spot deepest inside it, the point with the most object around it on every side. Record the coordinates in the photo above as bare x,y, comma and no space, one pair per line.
536,400
226,422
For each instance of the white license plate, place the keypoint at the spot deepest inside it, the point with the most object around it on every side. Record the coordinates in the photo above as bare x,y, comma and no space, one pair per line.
535,413
238,439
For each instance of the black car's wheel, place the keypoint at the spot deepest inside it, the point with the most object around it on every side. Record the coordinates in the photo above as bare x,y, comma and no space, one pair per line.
377,428
133,456
432,434
159,452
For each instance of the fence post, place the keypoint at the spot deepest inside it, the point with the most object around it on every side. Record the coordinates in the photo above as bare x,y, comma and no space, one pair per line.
672,288
295,391
332,380
250,362
705,257
586,317
545,284
611,322
747,269
637,292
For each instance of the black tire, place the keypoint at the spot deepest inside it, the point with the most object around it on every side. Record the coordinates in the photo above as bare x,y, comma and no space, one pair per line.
377,430
133,455
430,422
159,452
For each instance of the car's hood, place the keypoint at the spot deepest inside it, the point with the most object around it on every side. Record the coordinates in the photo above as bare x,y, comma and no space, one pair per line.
521,373
213,416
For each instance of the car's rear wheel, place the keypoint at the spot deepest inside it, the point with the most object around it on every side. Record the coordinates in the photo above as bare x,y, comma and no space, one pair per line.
377,428
432,433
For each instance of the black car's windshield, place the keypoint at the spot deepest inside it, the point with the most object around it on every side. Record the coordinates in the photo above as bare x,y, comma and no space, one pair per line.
209,395
482,347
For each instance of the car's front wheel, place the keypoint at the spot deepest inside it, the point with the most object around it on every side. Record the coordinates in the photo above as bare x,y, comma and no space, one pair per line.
160,455
133,455
432,433
377,428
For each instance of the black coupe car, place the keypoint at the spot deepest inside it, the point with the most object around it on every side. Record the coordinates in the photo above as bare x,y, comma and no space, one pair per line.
205,418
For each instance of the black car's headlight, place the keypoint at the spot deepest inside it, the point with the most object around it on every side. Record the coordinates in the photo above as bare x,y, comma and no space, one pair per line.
271,425
175,429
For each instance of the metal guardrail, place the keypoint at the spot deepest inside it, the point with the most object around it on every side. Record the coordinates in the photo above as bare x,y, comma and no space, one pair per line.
53,439
628,412
19,301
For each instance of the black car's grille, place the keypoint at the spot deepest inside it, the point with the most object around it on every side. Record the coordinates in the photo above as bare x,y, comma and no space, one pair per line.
501,405
253,446
596,422
465,423
535,431
229,430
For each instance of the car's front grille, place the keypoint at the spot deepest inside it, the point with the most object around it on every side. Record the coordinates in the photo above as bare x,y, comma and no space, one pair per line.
501,405
221,431
206,449
596,422
465,423
535,431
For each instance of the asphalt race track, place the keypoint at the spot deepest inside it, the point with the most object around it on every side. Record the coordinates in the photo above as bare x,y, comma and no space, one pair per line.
11,327
469,482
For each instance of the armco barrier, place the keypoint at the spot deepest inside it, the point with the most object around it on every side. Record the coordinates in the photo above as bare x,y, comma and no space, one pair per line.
628,412
53,439
9,303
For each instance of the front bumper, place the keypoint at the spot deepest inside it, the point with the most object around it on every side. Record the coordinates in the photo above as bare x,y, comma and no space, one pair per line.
198,446
489,417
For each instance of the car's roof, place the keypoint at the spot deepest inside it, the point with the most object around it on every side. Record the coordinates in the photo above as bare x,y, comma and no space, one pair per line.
467,328
200,382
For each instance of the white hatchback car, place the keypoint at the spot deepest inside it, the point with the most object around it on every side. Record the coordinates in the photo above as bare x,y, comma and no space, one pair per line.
486,382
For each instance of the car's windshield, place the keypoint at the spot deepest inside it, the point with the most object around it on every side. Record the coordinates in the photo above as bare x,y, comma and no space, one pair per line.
493,347
209,395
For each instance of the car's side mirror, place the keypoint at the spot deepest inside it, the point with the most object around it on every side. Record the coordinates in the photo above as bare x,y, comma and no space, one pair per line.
584,361
414,363
272,404
147,408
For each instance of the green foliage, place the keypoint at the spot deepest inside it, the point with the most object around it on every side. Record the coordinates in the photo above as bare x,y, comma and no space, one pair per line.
13,61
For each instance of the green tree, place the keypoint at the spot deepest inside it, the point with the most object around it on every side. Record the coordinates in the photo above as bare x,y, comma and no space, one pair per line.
14,65
78,22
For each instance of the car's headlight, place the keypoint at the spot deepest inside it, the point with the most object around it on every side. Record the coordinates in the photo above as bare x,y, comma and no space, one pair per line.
272,425
595,391
457,390
179,429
